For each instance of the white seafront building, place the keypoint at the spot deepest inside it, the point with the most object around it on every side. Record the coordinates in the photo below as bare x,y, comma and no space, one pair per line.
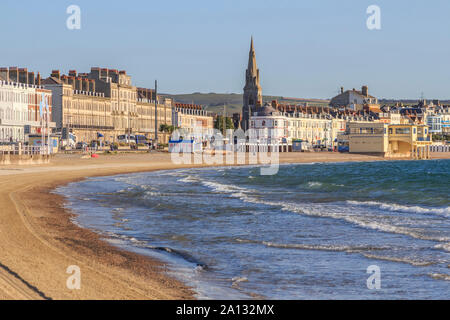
192,119
272,126
19,110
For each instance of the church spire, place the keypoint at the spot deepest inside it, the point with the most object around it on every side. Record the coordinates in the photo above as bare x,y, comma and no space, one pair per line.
252,90
252,68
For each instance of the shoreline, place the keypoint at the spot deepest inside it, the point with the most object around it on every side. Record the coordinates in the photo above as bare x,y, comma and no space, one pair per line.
39,239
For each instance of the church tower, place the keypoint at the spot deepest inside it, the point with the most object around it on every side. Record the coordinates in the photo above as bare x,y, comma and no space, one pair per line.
252,89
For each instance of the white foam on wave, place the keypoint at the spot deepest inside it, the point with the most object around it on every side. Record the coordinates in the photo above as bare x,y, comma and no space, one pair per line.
443,246
416,263
367,221
338,248
188,179
314,184
365,250
333,211
440,276
402,208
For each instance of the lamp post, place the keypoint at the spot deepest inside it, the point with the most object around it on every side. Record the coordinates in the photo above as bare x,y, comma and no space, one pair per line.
156,114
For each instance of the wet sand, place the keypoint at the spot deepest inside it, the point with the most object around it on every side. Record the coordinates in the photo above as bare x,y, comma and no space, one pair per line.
38,241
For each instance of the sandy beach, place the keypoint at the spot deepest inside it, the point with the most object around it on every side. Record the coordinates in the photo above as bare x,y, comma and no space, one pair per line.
38,241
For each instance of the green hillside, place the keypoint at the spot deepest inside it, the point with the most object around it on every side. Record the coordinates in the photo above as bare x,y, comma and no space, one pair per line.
215,102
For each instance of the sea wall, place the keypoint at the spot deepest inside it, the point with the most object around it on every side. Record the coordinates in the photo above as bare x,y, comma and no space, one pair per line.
24,159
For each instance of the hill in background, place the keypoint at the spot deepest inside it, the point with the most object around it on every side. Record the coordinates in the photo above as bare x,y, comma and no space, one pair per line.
214,102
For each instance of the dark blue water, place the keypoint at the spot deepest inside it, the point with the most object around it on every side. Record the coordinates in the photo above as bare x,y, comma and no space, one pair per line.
309,232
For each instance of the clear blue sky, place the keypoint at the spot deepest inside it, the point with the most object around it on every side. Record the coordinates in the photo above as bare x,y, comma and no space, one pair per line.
303,48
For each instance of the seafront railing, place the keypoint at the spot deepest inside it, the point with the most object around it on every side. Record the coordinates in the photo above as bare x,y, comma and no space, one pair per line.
441,148
22,150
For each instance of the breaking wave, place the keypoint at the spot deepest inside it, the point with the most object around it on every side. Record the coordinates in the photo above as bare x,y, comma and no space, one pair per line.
402,208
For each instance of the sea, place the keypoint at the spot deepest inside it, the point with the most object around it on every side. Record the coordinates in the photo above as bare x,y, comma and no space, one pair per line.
350,230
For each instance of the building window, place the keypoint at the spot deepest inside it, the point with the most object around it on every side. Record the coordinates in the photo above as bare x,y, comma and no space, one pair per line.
402,131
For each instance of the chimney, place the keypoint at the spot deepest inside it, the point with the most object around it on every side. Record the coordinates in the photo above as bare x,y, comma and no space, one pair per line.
4,73
23,75
31,78
104,73
72,73
95,72
85,85
78,84
342,90
65,79
114,75
91,85
365,91
71,81
14,74
274,104
38,79
56,74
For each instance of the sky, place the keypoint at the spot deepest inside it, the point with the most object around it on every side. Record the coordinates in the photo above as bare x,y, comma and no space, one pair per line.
304,49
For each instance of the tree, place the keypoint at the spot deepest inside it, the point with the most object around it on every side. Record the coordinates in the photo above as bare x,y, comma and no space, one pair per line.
167,128
218,124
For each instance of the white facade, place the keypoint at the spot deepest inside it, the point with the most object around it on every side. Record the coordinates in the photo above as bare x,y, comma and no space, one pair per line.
269,129
193,121
19,107
434,122
283,128
312,128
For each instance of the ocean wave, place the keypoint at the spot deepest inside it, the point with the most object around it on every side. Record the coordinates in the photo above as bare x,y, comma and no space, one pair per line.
143,244
443,246
326,211
334,211
338,248
440,276
314,184
402,208
364,250
416,263
188,179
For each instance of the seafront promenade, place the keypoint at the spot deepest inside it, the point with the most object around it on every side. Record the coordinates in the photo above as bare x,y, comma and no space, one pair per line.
38,240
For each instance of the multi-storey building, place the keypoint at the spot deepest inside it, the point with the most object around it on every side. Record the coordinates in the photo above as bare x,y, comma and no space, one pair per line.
192,119
146,110
104,102
20,112
354,99
444,112
395,140
282,124
268,126
79,108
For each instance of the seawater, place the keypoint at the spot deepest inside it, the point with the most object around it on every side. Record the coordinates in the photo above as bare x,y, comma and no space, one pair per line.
308,232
